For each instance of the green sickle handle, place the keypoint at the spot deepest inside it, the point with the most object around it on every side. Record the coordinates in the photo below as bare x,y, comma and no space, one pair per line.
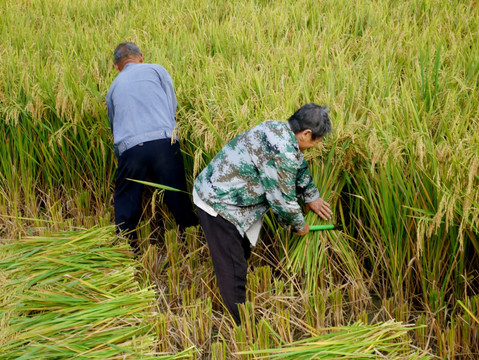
322,227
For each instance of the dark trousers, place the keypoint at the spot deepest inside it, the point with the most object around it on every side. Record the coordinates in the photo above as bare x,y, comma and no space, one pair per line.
230,253
162,163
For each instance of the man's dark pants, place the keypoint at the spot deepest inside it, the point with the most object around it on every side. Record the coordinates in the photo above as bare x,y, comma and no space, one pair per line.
161,162
230,252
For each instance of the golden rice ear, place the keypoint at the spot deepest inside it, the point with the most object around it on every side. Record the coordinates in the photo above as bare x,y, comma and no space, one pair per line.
175,134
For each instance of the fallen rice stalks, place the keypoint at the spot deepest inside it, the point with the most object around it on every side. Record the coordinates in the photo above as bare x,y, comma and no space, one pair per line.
73,295
387,340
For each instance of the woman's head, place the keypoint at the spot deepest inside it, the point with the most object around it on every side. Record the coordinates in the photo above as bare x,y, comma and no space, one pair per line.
310,124
313,117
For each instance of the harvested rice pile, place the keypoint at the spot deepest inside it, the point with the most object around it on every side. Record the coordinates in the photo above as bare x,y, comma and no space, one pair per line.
73,295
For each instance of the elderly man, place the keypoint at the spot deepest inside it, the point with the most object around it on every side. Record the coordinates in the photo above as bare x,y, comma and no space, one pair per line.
262,168
141,107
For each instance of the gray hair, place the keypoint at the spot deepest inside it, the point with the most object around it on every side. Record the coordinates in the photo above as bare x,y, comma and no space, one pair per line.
313,117
126,50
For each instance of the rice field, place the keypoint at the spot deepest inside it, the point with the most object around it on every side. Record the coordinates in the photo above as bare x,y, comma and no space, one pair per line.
401,170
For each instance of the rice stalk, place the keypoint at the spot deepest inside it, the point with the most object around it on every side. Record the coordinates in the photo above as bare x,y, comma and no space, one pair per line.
74,295
356,341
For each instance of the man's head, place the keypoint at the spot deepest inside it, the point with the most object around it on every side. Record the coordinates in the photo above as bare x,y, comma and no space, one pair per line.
125,53
310,124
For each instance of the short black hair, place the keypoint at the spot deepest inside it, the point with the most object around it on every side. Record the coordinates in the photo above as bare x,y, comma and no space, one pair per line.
313,117
126,50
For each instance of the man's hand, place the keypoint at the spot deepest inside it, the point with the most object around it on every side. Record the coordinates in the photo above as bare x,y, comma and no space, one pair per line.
320,207
303,231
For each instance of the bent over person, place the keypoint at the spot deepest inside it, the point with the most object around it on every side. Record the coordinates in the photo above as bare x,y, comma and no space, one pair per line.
141,107
261,169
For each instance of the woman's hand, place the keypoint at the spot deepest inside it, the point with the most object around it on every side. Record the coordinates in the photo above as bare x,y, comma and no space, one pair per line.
320,207
303,231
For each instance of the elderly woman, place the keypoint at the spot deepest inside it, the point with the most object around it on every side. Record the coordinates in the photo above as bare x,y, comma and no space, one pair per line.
261,169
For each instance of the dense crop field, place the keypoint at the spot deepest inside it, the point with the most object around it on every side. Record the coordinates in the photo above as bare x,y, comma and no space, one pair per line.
401,167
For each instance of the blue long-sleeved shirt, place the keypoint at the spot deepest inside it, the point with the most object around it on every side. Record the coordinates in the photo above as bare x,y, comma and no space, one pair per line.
141,105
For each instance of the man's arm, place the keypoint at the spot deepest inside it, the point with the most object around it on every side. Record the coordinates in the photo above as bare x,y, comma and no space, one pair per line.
111,110
167,85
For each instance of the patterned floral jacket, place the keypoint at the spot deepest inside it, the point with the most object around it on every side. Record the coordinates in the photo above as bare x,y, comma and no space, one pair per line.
260,169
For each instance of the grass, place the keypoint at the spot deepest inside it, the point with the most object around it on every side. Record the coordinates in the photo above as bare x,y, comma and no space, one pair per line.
400,169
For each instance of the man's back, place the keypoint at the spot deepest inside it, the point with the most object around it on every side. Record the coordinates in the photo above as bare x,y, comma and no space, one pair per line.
141,105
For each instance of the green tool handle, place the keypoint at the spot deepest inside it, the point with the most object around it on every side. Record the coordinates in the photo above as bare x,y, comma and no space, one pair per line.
322,227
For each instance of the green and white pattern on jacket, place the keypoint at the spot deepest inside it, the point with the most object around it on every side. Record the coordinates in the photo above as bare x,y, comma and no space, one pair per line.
261,168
